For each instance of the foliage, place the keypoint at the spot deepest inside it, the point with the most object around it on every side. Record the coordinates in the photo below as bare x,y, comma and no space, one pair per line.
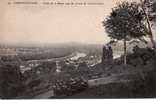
145,85
10,81
125,21
150,7
70,86
140,56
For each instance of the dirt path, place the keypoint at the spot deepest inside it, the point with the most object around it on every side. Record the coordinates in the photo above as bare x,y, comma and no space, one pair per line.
45,95
106,80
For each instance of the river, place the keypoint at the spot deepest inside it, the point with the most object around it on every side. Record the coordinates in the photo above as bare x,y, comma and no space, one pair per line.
78,55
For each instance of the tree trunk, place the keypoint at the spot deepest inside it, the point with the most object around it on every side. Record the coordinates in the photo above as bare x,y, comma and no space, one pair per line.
125,52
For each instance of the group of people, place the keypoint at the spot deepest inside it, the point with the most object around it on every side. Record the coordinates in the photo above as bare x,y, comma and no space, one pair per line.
107,56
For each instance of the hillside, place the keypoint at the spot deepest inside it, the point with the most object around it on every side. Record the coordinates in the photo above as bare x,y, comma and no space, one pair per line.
126,81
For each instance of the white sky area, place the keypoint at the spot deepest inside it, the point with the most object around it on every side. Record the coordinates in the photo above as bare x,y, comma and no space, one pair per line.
27,24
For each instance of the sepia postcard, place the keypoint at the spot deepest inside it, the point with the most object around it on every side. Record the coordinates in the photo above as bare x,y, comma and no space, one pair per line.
77,49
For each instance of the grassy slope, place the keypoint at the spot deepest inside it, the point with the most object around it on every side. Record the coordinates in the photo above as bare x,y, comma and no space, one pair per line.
142,85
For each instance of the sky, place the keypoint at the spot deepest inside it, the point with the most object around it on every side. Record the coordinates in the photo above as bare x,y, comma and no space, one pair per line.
41,24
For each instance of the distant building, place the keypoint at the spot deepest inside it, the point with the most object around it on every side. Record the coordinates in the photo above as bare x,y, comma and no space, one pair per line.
58,67
7,52
24,68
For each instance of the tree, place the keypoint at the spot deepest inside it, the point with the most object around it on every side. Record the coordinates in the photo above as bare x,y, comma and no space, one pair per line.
125,22
149,9
10,81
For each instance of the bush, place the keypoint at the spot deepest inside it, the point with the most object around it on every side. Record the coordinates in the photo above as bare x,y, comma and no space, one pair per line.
70,86
145,86
10,81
